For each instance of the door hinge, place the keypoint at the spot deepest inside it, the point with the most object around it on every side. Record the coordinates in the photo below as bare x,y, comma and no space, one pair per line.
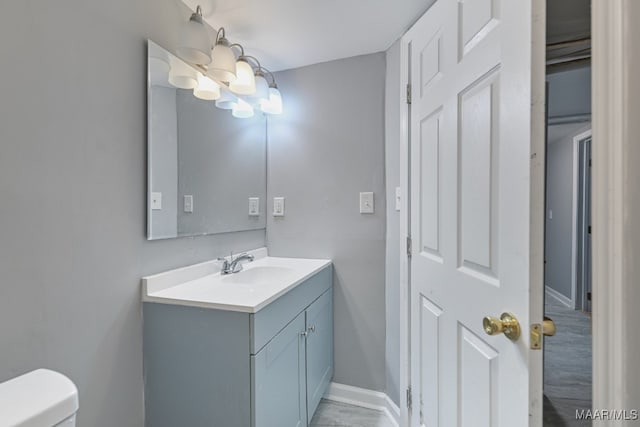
409,246
409,93
589,230
409,398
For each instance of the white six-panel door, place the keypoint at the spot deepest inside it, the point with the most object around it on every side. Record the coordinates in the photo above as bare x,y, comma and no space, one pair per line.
476,162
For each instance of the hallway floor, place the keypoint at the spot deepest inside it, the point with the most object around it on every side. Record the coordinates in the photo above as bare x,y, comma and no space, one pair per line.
336,414
567,366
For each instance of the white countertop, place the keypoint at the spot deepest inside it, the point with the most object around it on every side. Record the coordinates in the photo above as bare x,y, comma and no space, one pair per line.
260,282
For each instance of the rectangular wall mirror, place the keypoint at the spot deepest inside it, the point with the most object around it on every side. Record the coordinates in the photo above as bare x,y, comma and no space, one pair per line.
205,167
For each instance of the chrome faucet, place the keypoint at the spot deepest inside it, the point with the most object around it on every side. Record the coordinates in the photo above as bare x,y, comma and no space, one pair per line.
233,265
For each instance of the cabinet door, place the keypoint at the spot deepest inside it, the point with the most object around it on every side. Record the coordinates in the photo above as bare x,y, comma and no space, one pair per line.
279,381
319,349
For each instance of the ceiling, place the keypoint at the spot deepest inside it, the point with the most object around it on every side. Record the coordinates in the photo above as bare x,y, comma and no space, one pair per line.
568,20
286,34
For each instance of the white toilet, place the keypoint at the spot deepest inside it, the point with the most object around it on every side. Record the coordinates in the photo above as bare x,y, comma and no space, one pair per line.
41,398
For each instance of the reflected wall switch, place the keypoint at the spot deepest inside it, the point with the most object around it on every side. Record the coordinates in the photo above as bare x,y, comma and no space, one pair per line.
188,204
398,199
278,206
366,203
156,201
254,206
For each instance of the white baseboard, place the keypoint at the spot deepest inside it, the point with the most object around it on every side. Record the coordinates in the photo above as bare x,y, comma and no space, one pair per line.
559,297
364,398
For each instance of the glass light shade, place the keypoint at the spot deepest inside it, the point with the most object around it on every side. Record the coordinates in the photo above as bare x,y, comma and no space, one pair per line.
226,101
181,75
195,45
223,63
274,104
207,89
245,82
242,109
262,89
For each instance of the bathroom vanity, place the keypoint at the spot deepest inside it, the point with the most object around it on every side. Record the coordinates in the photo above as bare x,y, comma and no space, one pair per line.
253,348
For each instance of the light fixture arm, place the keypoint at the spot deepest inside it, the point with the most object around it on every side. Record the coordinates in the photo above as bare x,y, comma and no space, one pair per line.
273,78
238,45
220,35
197,15
254,59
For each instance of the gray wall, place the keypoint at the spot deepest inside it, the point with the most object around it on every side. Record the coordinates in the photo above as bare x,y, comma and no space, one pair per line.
73,191
570,92
164,152
392,177
222,161
558,230
326,148
569,95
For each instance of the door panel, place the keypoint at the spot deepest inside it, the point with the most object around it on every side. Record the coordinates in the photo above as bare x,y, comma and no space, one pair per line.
472,121
429,361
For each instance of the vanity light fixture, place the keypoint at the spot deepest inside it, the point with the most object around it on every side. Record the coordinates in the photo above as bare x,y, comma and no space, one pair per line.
207,89
273,103
245,82
232,81
242,109
196,45
261,84
223,63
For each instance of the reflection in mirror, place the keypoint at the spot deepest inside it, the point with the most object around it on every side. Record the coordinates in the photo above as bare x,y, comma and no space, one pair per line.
203,164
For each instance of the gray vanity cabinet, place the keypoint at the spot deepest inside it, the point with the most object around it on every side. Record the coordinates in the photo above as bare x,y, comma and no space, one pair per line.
215,368
319,349
296,364
279,379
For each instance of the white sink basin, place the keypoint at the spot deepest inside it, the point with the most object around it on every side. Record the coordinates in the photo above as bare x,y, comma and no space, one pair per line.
259,275
258,284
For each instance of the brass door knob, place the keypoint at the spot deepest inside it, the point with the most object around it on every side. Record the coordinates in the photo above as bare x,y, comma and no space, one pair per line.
507,324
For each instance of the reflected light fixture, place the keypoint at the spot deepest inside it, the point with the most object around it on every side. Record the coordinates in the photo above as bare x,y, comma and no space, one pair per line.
182,75
226,101
207,89
242,109
196,45
223,62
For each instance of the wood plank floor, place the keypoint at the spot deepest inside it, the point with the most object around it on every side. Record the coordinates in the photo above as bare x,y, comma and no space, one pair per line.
336,414
567,366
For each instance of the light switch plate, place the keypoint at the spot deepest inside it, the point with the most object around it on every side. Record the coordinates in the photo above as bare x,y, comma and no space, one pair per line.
156,201
398,199
254,206
188,203
278,206
366,203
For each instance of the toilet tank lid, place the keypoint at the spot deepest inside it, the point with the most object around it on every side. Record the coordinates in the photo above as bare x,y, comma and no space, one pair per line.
41,397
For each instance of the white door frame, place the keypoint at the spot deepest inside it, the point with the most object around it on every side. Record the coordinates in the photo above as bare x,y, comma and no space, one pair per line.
574,215
611,122
612,237
405,290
